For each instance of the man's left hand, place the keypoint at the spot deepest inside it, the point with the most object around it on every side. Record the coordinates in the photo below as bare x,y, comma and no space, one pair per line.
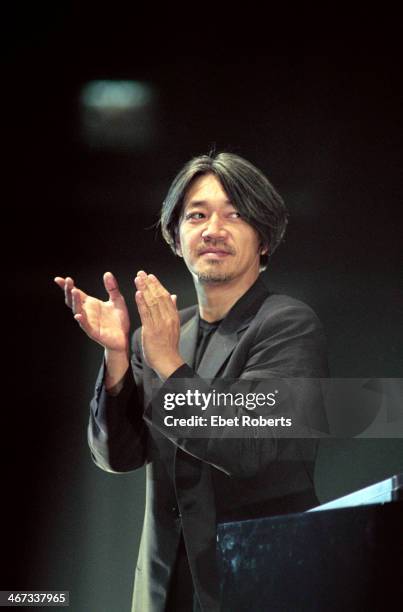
160,325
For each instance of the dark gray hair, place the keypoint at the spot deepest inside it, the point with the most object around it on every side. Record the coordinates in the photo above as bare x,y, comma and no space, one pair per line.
250,192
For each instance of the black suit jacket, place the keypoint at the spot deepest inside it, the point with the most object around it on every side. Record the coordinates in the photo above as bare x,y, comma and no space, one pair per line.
193,483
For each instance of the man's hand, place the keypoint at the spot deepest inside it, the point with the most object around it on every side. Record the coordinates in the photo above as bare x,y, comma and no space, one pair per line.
105,322
160,325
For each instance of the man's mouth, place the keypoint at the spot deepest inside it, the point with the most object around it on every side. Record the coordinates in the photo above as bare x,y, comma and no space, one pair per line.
215,252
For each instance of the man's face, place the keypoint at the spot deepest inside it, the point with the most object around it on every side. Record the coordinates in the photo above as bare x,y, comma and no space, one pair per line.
215,242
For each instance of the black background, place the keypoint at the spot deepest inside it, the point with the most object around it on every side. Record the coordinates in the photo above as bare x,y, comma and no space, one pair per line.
323,121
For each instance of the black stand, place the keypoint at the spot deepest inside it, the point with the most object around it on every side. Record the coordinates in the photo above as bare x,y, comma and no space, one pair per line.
336,560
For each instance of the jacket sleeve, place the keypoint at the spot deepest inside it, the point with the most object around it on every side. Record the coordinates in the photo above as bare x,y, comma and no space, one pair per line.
288,347
117,434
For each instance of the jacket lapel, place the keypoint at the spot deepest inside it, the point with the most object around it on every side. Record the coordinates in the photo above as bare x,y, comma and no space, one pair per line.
227,335
217,352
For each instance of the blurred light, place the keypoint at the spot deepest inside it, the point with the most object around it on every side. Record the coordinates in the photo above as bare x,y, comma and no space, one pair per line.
118,115
116,94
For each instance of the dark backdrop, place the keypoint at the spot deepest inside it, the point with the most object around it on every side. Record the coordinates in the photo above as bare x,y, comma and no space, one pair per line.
326,128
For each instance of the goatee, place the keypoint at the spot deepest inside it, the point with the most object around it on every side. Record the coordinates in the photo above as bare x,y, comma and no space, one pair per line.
213,277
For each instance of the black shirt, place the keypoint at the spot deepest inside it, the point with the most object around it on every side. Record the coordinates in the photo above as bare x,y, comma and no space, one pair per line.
206,330
181,596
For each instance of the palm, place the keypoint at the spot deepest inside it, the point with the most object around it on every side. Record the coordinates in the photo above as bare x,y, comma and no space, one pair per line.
106,322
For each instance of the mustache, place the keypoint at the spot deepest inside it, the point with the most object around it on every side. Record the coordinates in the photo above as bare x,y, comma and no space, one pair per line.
215,246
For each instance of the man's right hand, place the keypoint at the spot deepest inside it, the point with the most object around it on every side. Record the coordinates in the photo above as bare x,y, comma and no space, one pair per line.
107,323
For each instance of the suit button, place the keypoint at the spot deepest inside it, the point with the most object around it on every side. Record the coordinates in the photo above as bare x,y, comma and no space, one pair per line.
175,511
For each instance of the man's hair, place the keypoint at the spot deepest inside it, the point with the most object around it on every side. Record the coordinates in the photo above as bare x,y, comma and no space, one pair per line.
250,192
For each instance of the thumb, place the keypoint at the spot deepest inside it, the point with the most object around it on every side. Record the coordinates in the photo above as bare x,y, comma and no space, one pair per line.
111,286
174,299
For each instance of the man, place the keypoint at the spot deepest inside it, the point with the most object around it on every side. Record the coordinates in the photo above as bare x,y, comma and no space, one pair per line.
224,218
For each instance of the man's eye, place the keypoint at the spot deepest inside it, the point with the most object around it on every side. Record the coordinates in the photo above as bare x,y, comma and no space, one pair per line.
235,215
194,215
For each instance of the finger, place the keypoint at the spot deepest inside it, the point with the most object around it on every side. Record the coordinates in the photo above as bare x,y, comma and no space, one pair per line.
141,280
60,282
160,294
155,286
76,303
68,286
156,296
111,286
82,320
147,299
174,299
142,284
144,311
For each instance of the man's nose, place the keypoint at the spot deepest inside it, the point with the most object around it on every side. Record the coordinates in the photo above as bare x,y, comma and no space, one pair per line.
214,229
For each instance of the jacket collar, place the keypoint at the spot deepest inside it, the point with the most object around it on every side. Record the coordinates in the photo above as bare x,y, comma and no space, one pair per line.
226,336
